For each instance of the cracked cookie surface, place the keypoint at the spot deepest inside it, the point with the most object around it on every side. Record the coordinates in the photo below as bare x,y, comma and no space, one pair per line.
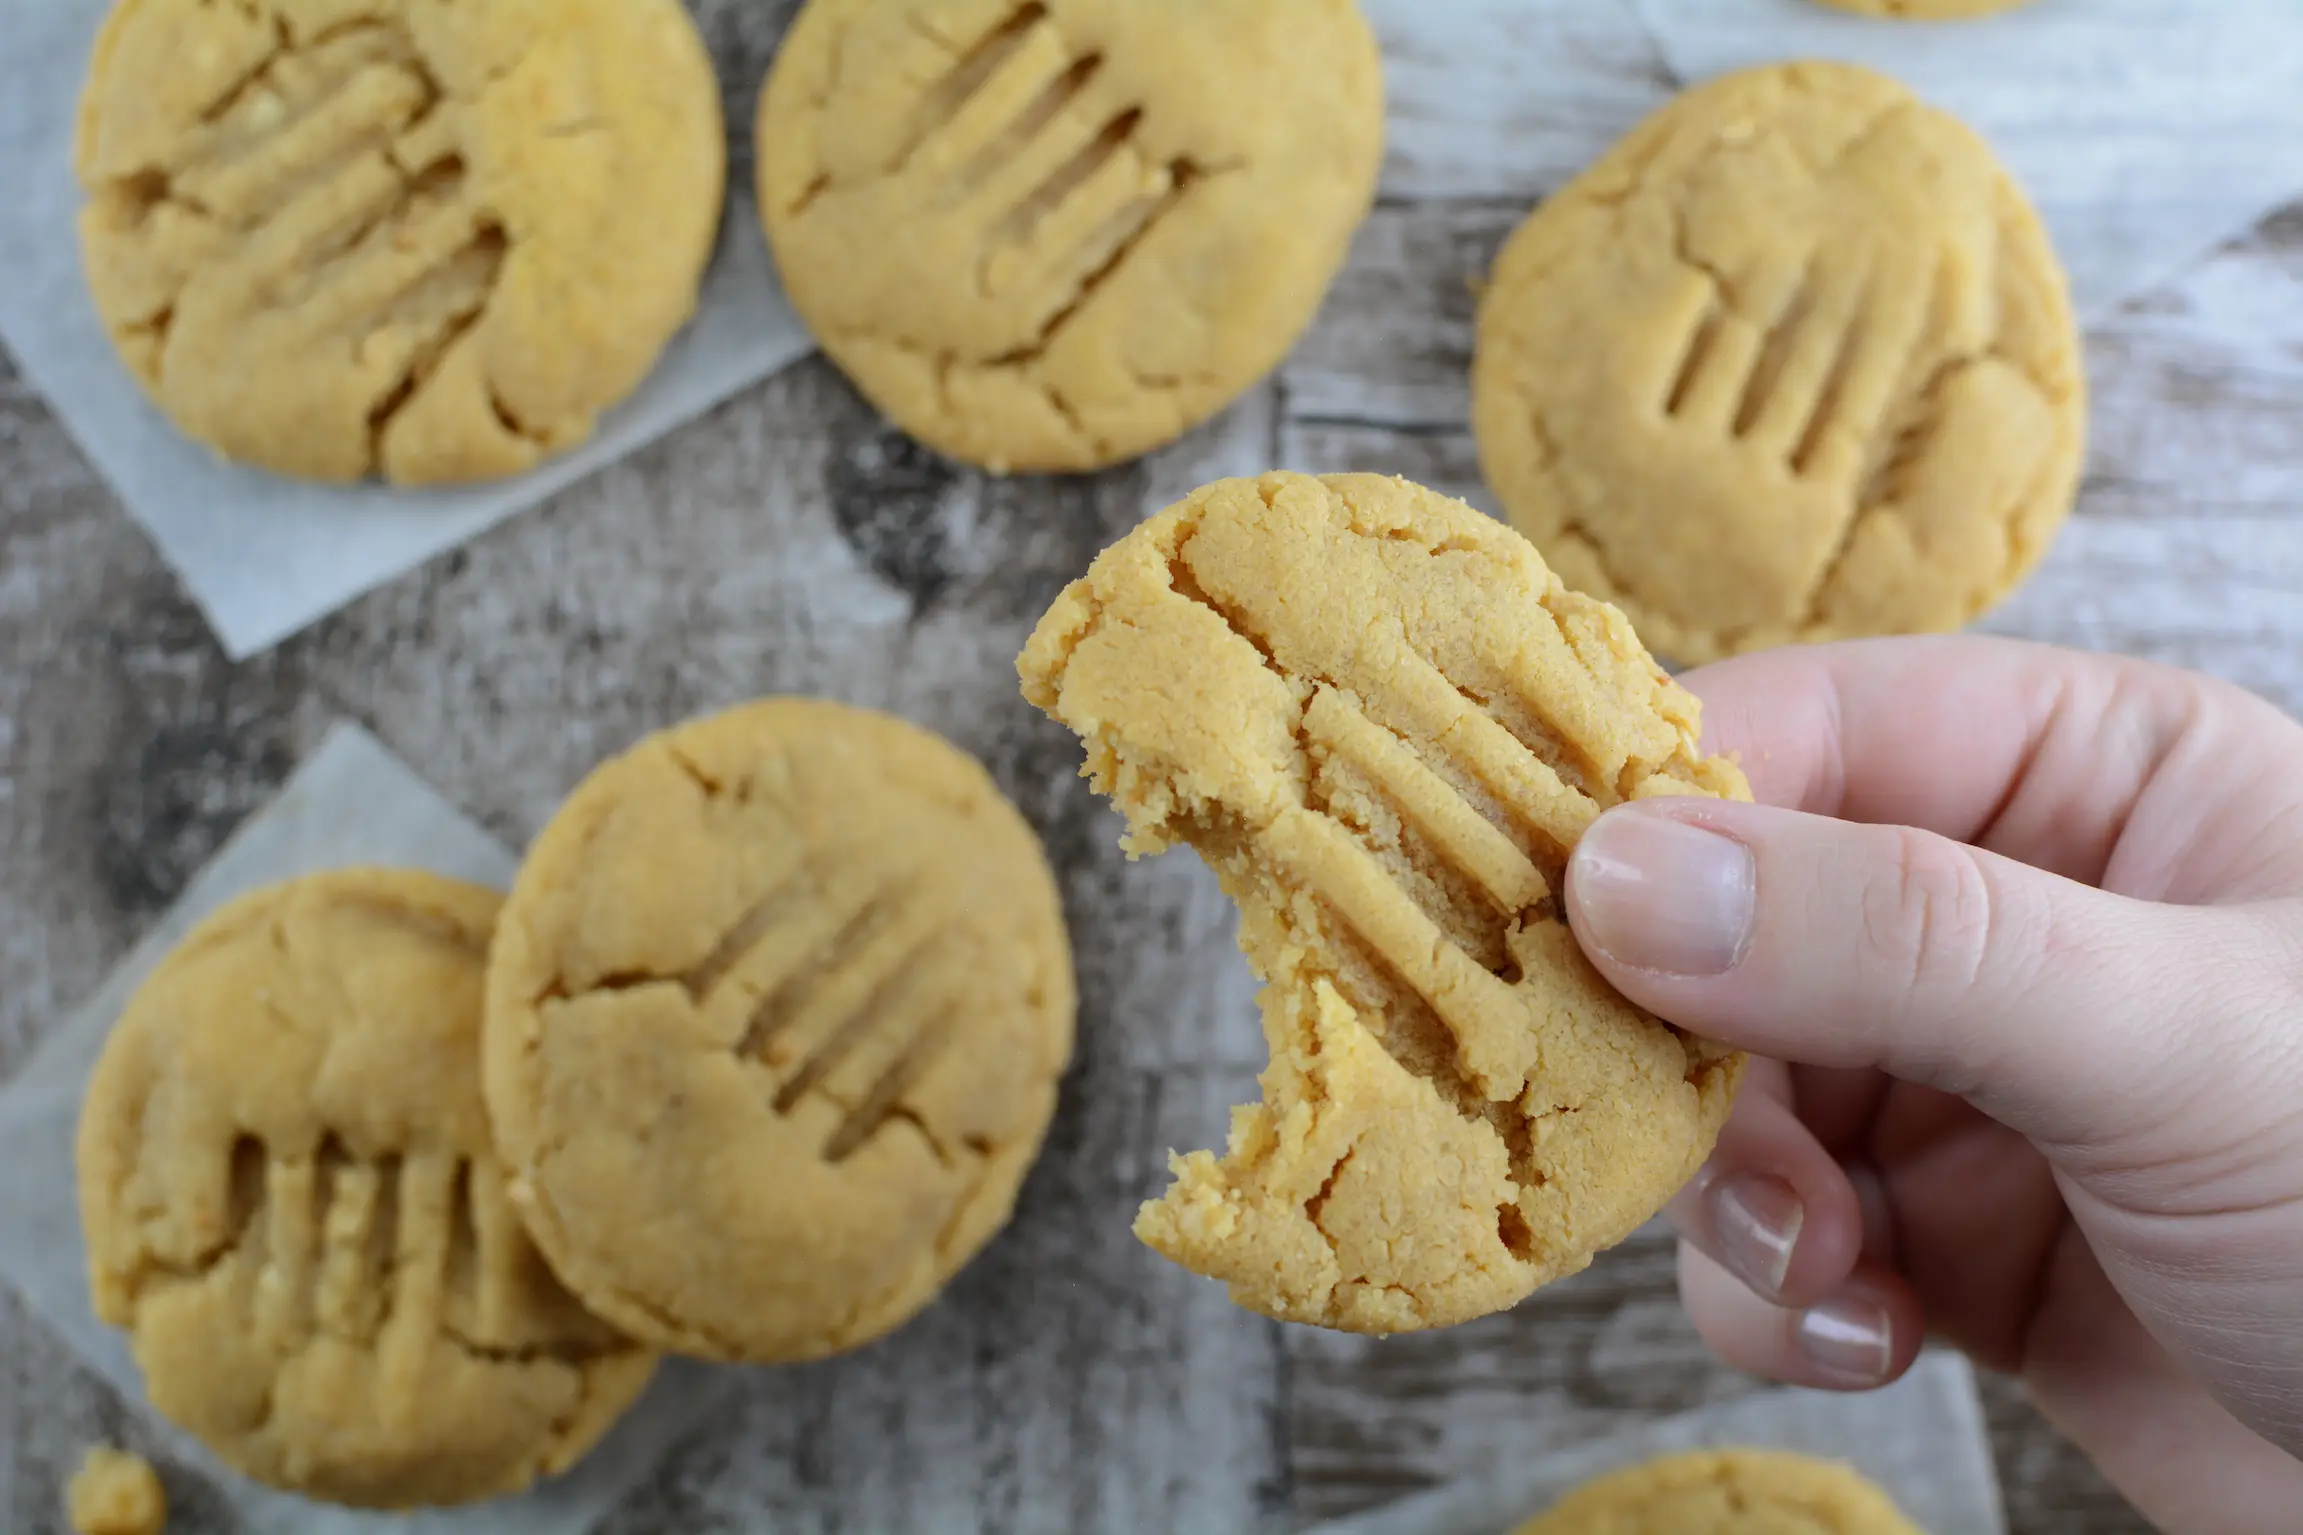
1053,236
1793,361
1384,724
776,1014
429,240
292,1206
1726,1492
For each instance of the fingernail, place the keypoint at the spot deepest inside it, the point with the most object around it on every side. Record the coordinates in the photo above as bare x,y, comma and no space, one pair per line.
1658,894
1756,1220
1846,1340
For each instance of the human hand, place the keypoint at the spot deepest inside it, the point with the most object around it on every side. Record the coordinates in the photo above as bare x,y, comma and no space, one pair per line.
2027,1020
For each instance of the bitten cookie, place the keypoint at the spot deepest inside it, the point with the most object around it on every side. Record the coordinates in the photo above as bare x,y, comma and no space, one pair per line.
1052,236
775,1017
291,1204
1726,1492
1384,724
1793,361
424,239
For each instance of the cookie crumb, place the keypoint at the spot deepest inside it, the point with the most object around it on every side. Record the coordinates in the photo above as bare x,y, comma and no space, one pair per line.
115,1493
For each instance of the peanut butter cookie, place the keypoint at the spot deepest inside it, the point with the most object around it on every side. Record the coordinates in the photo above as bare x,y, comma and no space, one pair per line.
1052,236
424,239
1925,10
291,1204
1384,724
1792,362
775,1018
1726,1492
115,1493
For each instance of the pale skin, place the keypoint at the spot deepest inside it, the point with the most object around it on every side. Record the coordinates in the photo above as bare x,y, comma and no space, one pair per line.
2015,936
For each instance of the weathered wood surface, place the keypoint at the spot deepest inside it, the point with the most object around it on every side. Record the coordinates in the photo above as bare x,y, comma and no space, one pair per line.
792,541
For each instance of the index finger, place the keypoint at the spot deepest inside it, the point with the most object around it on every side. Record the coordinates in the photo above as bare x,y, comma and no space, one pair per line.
2035,752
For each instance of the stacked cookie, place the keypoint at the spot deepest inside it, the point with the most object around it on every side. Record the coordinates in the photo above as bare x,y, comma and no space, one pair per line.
1384,723
399,1186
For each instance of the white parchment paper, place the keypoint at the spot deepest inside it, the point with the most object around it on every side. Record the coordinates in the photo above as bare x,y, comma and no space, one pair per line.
264,556
2147,131
352,803
1922,1439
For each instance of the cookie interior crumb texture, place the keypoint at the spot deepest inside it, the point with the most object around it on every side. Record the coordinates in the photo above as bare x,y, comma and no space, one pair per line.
1726,1492
291,1204
1384,724
115,1493
424,239
776,1015
1054,235
1793,361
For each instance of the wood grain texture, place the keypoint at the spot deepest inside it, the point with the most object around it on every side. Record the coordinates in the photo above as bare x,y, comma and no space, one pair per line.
791,540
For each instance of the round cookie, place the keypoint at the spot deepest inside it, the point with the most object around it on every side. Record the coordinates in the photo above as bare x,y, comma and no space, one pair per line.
775,1017
1384,724
1924,10
1793,361
424,239
291,1204
1055,235
1726,1492
115,1492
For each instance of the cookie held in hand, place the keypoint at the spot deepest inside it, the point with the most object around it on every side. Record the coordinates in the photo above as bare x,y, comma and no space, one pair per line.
1384,724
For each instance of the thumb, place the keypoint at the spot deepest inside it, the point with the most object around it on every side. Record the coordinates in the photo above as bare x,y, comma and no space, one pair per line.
2055,1007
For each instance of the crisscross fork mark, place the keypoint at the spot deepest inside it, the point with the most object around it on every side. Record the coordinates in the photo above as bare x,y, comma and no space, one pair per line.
842,986
357,1250
771,910
1464,838
968,76
870,978
1811,386
1494,1036
883,1101
806,943
1401,690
